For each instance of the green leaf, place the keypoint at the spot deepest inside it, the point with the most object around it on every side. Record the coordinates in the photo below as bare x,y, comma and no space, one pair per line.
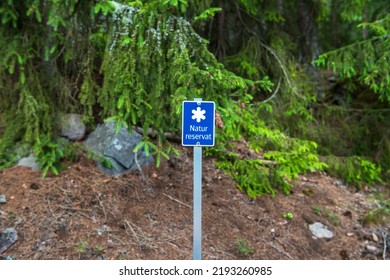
22,78
54,170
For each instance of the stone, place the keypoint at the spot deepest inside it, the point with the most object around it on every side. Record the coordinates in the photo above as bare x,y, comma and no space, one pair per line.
7,238
72,127
371,249
309,185
375,237
3,200
320,231
340,183
118,148
29,161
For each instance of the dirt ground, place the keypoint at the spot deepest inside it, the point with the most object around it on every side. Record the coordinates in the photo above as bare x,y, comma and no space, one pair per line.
85,214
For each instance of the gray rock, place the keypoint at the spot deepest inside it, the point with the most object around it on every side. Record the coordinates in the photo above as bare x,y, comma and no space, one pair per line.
320,231
117,148
309,184
29,161
340,184
371,249
7,238
72,127
3,200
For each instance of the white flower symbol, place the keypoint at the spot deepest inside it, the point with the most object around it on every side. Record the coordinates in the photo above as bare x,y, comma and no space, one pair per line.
198,114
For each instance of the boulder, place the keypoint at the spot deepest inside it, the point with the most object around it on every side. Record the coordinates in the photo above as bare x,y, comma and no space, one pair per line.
72,127
117,148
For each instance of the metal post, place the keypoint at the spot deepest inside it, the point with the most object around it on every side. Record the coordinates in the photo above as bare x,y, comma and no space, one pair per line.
197,237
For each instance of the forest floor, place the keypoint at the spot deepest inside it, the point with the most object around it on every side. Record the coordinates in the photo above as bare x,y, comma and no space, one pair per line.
85,214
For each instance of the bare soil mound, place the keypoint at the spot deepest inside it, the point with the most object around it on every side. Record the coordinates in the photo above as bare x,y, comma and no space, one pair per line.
85,214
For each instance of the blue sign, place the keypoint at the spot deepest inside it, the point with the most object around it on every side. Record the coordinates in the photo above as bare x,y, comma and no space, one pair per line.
198,123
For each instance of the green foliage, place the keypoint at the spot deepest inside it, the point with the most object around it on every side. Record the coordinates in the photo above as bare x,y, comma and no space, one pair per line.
82,246
11,215
42,57
159,152
297,158
353,169
364,61
332,217
326,213
378,215
317,209
251,176
49,155
288,215
136,65
98,250
104,162
72,151
151,65
243,248
206,15
277,158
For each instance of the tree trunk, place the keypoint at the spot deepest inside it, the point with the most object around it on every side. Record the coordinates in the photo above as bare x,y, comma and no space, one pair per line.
221,48
335,24
281,11
309,40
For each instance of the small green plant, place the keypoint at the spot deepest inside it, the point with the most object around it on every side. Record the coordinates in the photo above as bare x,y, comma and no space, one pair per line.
104,162
327,214
288,215
72,151
332,217
243,248
158,151
317,209
49,155
380,214
98,250
82,246
10,215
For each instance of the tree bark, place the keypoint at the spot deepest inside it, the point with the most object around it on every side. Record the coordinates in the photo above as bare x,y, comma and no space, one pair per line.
221,48
309,39
335,24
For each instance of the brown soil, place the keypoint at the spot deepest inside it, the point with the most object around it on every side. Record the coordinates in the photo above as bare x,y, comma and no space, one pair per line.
85,214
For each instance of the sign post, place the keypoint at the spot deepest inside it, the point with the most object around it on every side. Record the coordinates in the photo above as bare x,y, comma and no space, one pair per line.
198,131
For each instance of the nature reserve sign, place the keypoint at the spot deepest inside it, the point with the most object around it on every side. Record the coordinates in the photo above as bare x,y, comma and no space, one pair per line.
198,123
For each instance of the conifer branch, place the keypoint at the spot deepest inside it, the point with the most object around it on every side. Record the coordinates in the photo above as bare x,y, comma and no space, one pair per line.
273,94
